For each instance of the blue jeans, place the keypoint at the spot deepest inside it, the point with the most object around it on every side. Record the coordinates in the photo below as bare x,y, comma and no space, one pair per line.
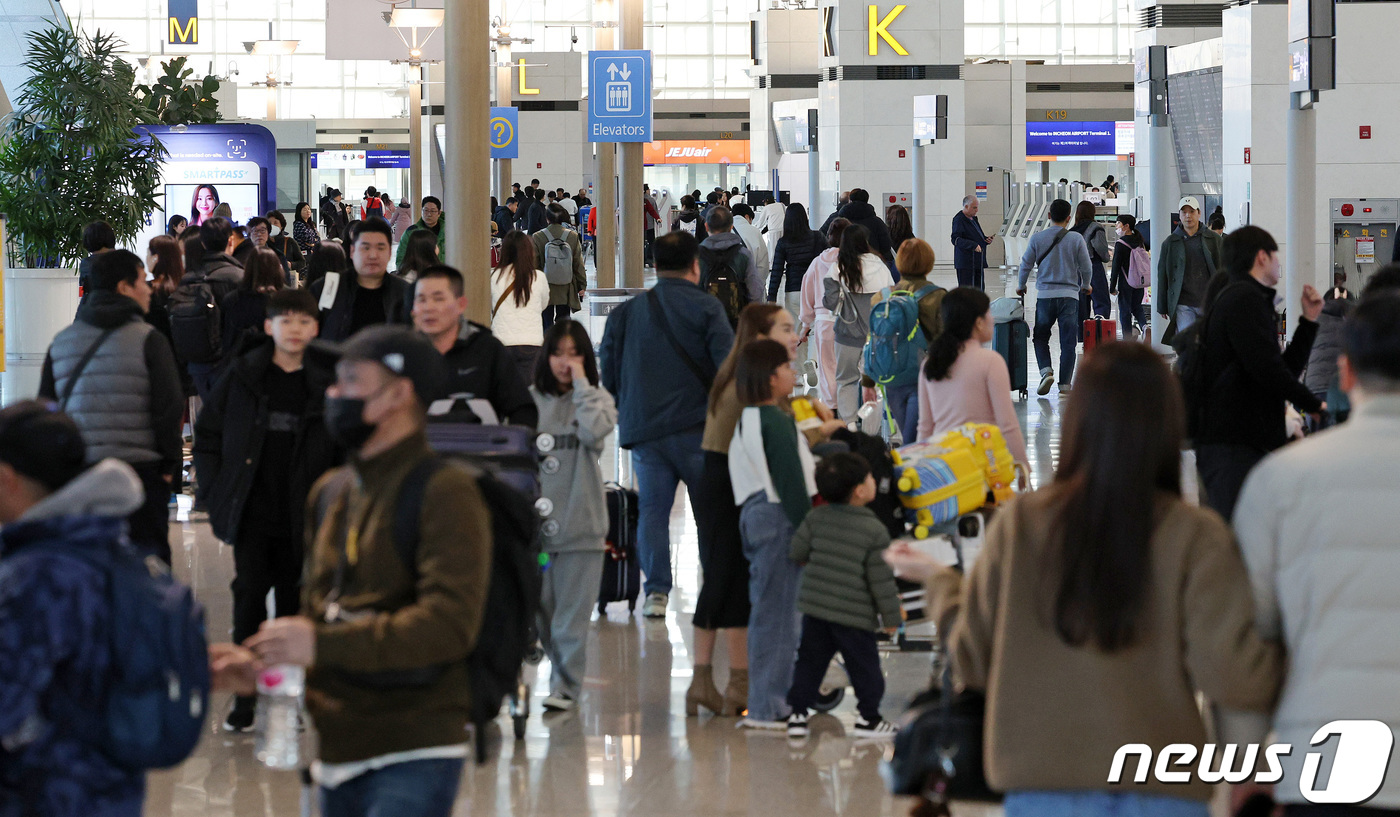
774,623
418,788
904,407
1100,804
661,465
1185,316
1049,312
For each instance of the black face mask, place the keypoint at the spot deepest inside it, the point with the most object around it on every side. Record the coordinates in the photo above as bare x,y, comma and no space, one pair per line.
345,420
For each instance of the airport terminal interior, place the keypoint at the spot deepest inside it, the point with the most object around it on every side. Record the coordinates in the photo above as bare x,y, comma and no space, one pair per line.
1165,126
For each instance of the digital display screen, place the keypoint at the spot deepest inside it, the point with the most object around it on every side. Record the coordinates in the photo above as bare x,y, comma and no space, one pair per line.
193,200
1070,139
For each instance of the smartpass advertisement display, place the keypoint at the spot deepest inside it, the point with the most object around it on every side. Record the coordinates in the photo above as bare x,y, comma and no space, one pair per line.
1047,141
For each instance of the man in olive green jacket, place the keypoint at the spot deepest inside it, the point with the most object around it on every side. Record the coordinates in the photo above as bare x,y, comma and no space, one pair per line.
1189,258
385,643
563,298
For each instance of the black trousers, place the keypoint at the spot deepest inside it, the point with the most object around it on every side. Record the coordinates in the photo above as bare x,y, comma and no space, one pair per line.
553,314
972,278
1223,469
149,525
821,640
260,564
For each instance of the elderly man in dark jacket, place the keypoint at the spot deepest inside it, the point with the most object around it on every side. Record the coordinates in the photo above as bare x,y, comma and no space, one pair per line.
970,245
115,376
55,651
860,212
659,356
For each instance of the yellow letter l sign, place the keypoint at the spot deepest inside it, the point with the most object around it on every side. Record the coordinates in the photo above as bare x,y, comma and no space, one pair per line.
525,90
881,30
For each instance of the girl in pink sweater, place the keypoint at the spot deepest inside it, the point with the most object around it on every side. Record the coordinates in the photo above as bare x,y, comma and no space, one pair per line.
964,382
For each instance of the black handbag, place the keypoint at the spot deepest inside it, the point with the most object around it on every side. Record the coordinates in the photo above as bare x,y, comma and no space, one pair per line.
938,750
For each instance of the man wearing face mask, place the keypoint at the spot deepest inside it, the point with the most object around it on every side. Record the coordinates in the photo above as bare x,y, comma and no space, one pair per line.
371,628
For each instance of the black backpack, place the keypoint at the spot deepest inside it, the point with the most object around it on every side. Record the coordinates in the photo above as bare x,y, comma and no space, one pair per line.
195,322
1190,347
723,274
513,596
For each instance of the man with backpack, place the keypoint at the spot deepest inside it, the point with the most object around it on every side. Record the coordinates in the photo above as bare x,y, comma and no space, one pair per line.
1061,260
387,625
659,356
727,268
114,374
1235,379
56,653
195,318
559,254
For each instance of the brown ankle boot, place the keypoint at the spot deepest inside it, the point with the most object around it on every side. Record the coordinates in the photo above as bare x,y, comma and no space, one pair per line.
703,692
736,694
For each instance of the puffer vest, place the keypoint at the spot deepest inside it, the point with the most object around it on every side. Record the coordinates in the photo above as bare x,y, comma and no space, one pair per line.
111,402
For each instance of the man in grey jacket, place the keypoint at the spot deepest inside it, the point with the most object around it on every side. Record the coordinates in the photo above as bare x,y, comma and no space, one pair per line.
722,237
1316,523
116,377
1061,259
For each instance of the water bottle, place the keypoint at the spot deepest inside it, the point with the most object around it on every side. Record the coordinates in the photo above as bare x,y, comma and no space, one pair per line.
279,707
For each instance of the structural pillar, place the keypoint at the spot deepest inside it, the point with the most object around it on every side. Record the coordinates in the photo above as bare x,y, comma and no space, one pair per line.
605,189
814,219
1159,148
415,142
631,209
916,191
1300,186
503,99
468,153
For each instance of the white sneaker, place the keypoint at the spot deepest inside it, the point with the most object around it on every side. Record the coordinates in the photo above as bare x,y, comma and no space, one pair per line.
797,725
655,606
559,702
754,723
879,730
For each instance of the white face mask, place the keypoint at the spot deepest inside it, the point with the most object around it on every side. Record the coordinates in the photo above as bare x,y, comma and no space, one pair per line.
275,231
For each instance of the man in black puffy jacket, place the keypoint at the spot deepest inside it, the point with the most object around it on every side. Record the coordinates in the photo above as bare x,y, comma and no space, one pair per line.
860,212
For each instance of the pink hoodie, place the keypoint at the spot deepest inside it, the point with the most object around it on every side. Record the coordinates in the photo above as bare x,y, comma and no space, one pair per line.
812,288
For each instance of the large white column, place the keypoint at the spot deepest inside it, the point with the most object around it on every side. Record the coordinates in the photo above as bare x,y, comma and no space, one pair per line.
1300,184
415,141
1159,207
503,99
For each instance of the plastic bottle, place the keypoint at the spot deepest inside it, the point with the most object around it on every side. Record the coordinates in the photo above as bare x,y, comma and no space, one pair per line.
279,708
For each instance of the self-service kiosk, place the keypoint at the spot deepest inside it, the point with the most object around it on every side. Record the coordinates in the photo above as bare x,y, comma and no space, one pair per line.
1363,238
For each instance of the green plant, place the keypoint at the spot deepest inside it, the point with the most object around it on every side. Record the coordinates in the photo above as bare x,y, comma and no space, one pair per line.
176,101
70,154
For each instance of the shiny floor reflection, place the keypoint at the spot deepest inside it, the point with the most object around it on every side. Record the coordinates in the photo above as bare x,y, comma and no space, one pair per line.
629,749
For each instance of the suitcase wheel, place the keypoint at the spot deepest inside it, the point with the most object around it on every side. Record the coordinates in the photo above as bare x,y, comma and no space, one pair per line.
602,609
632,605
519,721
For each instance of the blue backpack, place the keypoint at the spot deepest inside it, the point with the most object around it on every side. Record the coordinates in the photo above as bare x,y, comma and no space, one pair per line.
897,344
154,712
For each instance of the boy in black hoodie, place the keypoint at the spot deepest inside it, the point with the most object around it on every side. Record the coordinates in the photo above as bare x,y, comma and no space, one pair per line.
260,443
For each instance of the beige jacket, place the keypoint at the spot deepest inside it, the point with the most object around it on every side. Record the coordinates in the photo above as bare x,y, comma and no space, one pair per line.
1056,714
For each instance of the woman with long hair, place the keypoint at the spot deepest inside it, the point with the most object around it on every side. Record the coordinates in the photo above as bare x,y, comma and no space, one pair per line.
203,203
792,255
519,297
1130,299
901,227
1095,236
328,257
304,229
962,381
245,309
422,253
165,261
816,319
176,225
1105,580
861,274
723,603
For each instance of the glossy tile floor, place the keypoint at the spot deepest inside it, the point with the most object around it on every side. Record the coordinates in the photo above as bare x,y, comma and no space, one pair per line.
629,749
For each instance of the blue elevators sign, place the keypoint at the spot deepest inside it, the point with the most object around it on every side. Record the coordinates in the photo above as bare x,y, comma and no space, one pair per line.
505,133
619,96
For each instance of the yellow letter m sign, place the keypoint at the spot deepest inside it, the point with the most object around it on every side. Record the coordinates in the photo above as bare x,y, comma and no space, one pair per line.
184,21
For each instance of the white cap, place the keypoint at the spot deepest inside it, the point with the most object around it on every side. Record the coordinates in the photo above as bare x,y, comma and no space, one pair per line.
1189,201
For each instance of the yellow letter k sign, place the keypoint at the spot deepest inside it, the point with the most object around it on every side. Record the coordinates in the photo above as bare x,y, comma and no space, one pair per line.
881,30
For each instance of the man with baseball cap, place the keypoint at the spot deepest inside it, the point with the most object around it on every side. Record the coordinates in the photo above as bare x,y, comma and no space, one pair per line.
1188,260
53,610
373,627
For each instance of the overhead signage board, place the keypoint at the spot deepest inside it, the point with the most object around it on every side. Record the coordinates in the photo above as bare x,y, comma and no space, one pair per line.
619,96
1049,140
360,159
505,133
697,152
184,22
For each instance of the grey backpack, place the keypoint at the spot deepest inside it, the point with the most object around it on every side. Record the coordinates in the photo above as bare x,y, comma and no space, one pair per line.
558,260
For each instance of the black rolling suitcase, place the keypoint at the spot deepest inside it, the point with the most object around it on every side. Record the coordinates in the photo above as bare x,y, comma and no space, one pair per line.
622,572
1012,341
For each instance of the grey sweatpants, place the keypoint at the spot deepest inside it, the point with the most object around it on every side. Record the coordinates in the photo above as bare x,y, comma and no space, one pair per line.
566,607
